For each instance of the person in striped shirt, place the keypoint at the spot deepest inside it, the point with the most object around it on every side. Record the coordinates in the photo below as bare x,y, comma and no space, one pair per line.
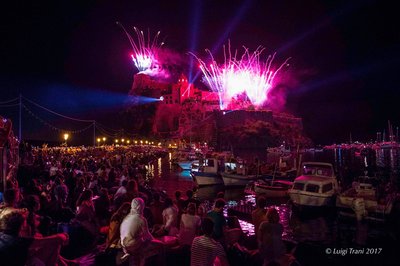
205,249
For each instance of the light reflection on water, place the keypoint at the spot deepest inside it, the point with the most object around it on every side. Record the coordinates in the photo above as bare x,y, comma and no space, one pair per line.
319,227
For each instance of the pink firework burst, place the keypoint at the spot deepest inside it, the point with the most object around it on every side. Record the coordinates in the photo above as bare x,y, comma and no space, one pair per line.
237,76
144,50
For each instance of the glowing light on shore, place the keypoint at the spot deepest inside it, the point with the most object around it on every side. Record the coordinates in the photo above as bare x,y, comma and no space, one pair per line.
144,50
237,76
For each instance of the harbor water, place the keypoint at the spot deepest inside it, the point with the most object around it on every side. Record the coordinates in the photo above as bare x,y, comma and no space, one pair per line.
319,230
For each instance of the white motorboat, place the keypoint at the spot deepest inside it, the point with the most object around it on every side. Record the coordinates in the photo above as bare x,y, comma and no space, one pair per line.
207,173
316,187
366,199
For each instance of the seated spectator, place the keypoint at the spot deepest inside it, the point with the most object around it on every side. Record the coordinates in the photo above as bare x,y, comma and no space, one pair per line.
85,213
189,226
170,220
217,215
16,250
136,240
102,207
32,204
156,208
259,215
205,249
57,208
121,190
132,191
10,198
113,236
179,203
189,195
270,243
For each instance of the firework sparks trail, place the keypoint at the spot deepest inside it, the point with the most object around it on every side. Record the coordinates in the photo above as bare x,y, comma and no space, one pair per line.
144,51
237,76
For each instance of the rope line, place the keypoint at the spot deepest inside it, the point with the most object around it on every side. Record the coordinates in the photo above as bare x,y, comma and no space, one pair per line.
9,105
16,99
52,126
55,113
107,128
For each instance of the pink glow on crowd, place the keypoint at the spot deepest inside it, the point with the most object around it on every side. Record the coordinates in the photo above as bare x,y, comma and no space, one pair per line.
247,75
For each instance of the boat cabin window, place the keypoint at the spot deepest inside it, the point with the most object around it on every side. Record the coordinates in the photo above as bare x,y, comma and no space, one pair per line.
312,188
298,186
327,187
230,166
317,170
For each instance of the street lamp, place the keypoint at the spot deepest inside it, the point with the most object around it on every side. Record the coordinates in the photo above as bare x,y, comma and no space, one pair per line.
66,136
128,141
98,141
104,140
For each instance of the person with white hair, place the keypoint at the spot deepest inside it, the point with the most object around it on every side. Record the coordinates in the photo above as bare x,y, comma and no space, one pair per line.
136,241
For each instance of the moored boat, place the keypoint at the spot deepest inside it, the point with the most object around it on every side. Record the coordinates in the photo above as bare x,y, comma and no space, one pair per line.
238,180
236,174
316,187
366,199
272,188
207,173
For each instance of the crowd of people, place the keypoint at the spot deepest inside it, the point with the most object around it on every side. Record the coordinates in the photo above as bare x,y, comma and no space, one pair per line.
61,204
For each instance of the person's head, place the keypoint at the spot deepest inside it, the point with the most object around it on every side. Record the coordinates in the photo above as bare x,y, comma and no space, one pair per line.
132,186
137,206
11,221
32,203
104,193
178,194
156,196
58,180
220,195
219,204
191,208
189,194
207,226
122,212
168,203
261,202
10,197
86,195
272,215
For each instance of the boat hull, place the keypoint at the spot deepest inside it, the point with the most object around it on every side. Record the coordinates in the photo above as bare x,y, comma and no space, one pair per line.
272,190
207,179
302,198
234,180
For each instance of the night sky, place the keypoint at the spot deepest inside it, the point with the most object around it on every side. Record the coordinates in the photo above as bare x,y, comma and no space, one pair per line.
343,77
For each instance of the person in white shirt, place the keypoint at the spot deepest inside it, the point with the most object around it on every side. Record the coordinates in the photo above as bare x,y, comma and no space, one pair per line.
170,220
190,223
136,240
